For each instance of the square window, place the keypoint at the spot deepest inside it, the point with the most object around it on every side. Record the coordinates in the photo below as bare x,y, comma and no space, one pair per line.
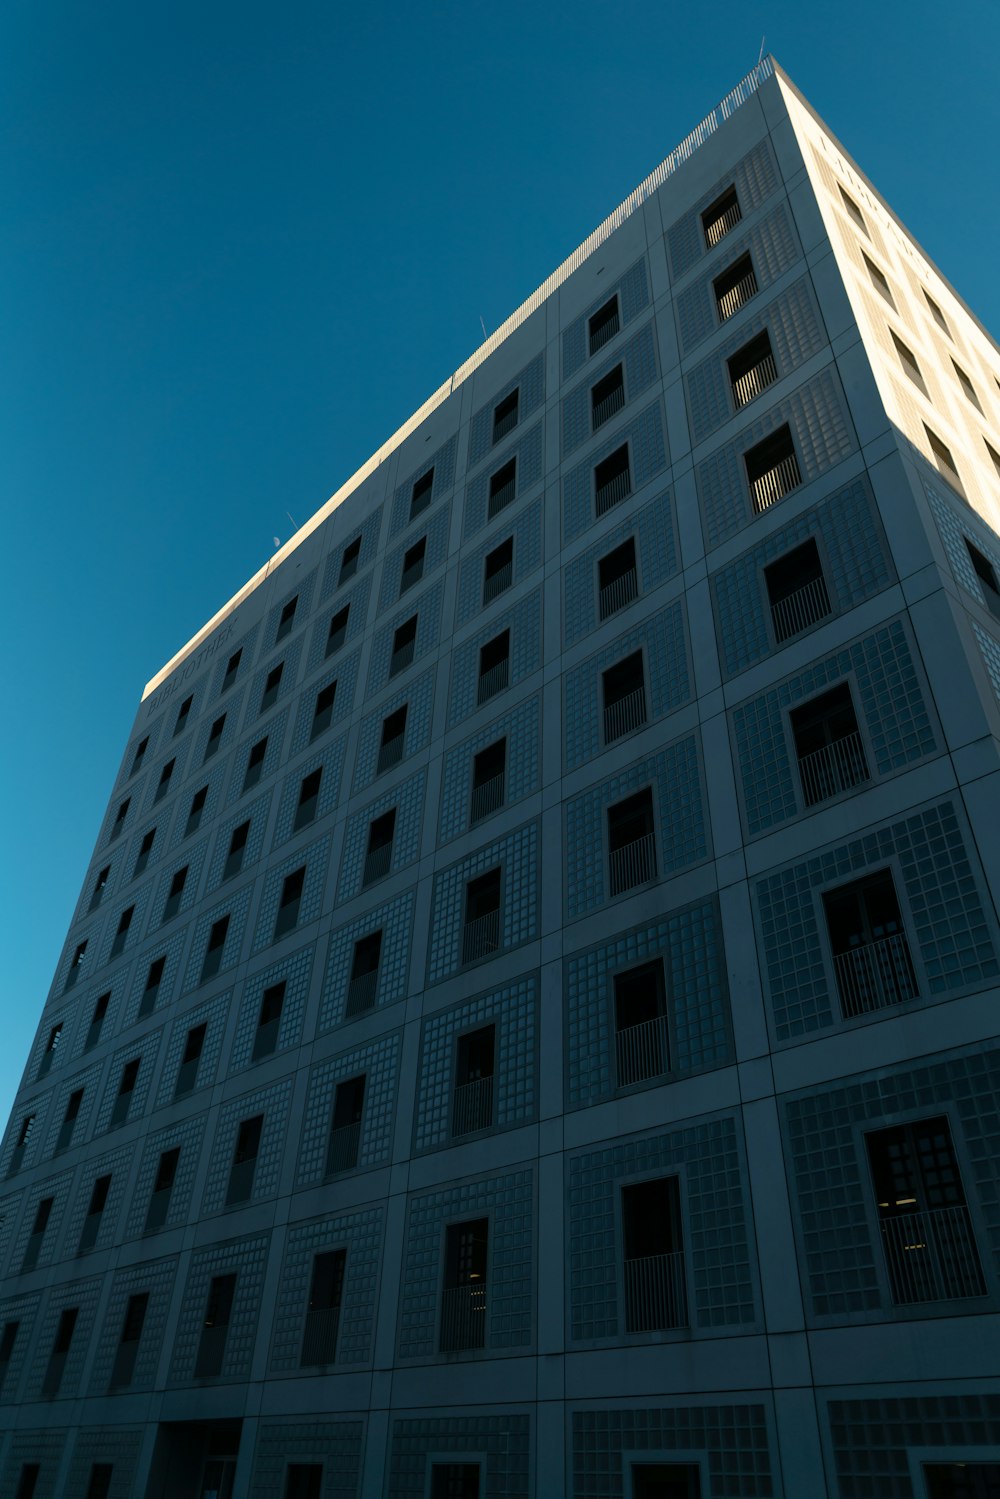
772,469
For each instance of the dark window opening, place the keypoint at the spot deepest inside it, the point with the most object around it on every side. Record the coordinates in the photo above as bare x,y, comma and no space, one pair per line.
338,630
653,1255
878,280
140,754
665,1481
49,1054
215,1328
463,1298
286,619
237,849
612,480
481,930
502,488
796,591
244,1162
232,667
489,774
607,397
100,885
720,217
752,369
268,1021
420,498
163,1185
187,1072
472,1104
126,1088
641,1041
215,736
403,643
735,287
121,934
994,457
326,1289
255,764
97,1020
498,570
151,992
272,685
344,1139
69,1119
772,469
937,314
624,690
378,859
21,1144
962,1480
120,817
28,1480
99,1486
145,849
828,745
34,1245
172,904
290,902
631,842
505,415
908,360
603,325
323,711
73,972
349,561
363,984
305,811
455,1481
95,1210
871,954
413,565
390,750
127,1351
853,210
986,573
494,667
182,714
215,948
8,1339
197,807
60,1351
945,462
163,785
304,1481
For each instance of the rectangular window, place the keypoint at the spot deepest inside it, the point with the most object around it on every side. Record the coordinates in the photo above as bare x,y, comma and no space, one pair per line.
60,1351
99,1486
27,1482
986,573
100,885
735,287
172,904
127,1351
828,745
489,774
455,1481
927,1235
303,1481
344,1138
494,667
151,992
326,1288
403,643
720,217
505,415
265,1039
244,1162
936,313
853,210
642,1052
286,619
631,842
463,1297
390,750
215,947
423,489
607,397
182,715
145,849
22,1142
305,810
994,456
796,591
349,561
772,469
197,807
49,1054
653,1256
215,1327
498,570
962,1480
232,667
752,369
363,985
612,480
338,630
97,1020
95,1212
121,934
624,690
187,1072
871,955
665,1481
617,579
215,736
472,1102
481,928
908,360
34,1245
413,565
323,710
140,754
8,1339
237,849
288,906
945,462
272,685
65,1135
603,325
878,280
126,1088
503,485
255,764
378,859
163,1185
120,817
163,784
968,389
73,973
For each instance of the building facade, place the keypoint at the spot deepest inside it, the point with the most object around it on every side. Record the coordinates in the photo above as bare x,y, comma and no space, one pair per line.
530,1023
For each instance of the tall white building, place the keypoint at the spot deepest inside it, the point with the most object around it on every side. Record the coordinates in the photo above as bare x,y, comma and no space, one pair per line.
529,1024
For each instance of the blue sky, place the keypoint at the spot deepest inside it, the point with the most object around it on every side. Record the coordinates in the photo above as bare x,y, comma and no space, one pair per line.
239,244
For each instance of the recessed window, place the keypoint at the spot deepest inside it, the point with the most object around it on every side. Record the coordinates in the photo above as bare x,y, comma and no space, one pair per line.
34,1245
624,691
472,1102
27,1482
255,764
936,313
653,1256
641,1044
378,859
853,210
237,849
290,902
994,457
489,775
95,1213
303,1481
349,561
49,1054
120,817
603,324
126,1089
494,667
97,1020
612,480
244,1162
403,644
828,745
481,927
908,360
8,1338
66,1128
197,807
735,287
286,619
140,754
968,389
772,469
24,1135
187,1072
503,485
363,984
305,811
607,397
182,714
163,1186
464,1294
214,948
61,1344
631,842
986,573
319,1337
498,570
393,738
232,667
871,954
961,1479
796,591
878,280
163,784
145,849
127,1351
945,462
121,933
752,369
455,1481
76,963
151,991
272,685
505,415
345,1125
617,579
265,1039
420,497
215,1327
323,709
215,736
172,903
927,1234
100,885
338,630
721,217
413,564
